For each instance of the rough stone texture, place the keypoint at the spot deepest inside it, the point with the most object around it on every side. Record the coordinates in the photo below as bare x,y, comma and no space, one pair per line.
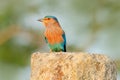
72,66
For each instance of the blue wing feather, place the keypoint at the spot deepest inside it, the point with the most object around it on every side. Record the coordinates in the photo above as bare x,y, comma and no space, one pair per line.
64,43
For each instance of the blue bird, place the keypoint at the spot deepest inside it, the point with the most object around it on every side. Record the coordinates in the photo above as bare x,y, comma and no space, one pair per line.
54,34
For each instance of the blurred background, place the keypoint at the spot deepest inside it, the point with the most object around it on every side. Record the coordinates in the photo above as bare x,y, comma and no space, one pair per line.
90,25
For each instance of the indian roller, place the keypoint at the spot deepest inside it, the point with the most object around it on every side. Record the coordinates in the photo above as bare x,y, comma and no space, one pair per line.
54,34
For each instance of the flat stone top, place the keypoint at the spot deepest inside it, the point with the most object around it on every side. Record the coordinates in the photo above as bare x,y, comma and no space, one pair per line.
72,66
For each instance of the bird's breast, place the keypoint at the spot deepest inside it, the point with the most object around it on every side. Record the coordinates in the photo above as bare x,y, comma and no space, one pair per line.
54,35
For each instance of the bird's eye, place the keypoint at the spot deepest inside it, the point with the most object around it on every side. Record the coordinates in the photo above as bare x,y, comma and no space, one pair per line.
48,18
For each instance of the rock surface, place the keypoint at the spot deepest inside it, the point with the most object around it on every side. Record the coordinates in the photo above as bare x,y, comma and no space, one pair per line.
72,66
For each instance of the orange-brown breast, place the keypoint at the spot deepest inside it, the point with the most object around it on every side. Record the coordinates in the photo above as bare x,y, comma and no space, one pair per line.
54,35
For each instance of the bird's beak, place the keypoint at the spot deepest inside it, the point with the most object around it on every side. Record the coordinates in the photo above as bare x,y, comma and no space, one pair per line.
41,20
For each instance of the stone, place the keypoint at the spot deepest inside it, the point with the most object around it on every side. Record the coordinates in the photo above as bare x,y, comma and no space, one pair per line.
72,66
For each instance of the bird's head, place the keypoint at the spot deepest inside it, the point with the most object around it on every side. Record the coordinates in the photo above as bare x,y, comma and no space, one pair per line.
48,20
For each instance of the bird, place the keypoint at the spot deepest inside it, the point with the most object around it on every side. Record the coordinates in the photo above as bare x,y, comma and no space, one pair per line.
54,34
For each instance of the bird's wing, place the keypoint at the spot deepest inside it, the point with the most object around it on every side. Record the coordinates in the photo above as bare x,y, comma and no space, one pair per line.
64,37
